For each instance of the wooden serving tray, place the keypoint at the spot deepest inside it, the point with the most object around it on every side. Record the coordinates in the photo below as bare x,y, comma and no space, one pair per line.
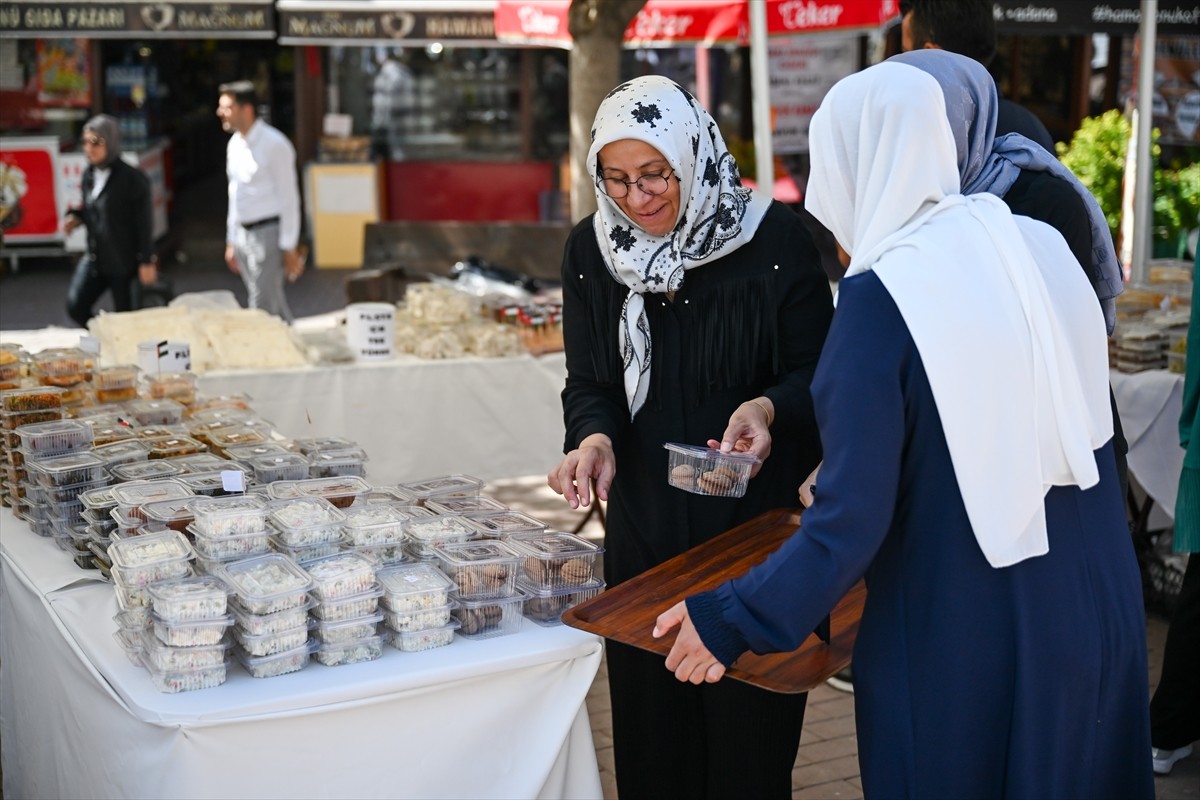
626,613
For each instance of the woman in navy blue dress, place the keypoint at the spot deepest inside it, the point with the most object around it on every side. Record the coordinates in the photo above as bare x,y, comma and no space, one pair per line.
962,403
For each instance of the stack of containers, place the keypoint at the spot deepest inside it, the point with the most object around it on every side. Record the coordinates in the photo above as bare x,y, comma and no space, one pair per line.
23,407
177,386
425,533
115,384
306,528
166,447
12,366
488,602
150,413
58,468
186,645
68,368
346,612
503,524
145,470
228,528
377,531
269,601
278,467
117,452
335,463
558,570
97,507
417,607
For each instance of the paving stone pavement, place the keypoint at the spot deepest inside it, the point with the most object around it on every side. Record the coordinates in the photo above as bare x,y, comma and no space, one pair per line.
827,761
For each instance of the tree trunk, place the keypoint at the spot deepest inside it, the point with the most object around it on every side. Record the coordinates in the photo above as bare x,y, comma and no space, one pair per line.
597,30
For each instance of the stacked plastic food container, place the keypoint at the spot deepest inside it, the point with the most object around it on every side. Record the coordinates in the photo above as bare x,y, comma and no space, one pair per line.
270,603
417,607
23,407
306,528
186,645
487,602
377,531
347,609
558,570
228,528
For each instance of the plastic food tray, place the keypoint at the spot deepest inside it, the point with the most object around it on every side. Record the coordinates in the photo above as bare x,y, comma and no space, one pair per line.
142,560
708,471
334,463
122,451
279,467
59,436
224,548
156,412
266,584
264,624
68,470
202,597
138,493
417,620
269,644
311,445
375,525
180,680
347,630
507,523
166,657
302,555
341,491
273,666
175,514
341,575
174,446
190,633
306,521
228,516
356,605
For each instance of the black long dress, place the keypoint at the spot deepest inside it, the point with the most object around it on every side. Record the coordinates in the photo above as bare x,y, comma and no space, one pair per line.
748,324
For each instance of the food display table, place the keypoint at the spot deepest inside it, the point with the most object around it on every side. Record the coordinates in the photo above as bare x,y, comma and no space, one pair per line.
1149,404
502,717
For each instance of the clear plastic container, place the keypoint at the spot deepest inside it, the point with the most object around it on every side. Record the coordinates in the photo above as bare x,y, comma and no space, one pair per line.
334,463
557,560
306,521
231,515
174,446
167,657
481,569
203,597
486,619
209,404
266,584
478,504
225,548
138,493
10,421
228,437
60,436
141,470
415,641
245,452
266,624
98,499
131,642
507,523
194,463
375,525
303,554
425,533
68,470
417,620
349,607
341,491
545,606
161,431
208,484
283,467
443,486
141,560
273,666
311,445
177,386
385,555
174,514
341,575
110,433
123,451
62,366
388,494
192,632
355,652
268,644
171,681
156,412
38,398
708,471
115,384
347,630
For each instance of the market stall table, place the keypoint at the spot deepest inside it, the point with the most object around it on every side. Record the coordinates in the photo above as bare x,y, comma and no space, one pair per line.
503,717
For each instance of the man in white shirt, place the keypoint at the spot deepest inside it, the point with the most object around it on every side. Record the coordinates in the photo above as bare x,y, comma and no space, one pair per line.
263,224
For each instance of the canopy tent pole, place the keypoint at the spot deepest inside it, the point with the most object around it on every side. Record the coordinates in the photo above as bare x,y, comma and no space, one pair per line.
760,91
1143,214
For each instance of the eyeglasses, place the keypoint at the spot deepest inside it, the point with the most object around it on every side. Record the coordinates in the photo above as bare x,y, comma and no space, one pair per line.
93,141
653,184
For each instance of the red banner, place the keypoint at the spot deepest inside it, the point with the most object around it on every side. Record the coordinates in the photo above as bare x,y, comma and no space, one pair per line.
28,206
663,23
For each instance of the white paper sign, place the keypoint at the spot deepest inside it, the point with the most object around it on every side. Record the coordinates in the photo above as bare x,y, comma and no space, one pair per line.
162,358
89,344
233,480
803,69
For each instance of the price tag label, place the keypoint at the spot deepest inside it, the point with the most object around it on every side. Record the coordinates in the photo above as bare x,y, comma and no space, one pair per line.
89,344
233,480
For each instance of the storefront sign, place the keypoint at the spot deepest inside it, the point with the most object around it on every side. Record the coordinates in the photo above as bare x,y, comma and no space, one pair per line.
803,69
1081,18
302,22
116,19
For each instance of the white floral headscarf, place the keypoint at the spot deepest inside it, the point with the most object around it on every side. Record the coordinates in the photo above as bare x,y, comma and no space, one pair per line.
717,215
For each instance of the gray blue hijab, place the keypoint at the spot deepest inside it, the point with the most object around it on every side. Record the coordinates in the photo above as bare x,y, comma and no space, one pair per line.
108,129
992,165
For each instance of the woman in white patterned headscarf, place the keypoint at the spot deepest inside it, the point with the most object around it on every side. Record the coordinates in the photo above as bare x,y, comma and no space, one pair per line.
693,307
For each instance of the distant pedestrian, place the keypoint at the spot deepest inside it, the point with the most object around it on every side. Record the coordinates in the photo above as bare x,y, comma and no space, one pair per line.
117,214
263,224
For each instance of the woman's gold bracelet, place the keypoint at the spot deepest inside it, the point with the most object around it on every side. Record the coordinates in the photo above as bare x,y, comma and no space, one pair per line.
767,411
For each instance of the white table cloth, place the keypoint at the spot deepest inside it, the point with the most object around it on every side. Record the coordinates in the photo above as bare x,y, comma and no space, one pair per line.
1149,404
502,718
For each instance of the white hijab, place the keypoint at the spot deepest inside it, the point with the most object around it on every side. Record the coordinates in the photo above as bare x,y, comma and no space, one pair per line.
1008,328
717,215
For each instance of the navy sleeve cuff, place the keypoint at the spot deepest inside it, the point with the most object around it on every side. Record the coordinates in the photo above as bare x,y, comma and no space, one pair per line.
721,638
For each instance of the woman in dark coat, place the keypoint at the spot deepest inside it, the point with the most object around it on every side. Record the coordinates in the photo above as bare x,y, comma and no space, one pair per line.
117,213
692,307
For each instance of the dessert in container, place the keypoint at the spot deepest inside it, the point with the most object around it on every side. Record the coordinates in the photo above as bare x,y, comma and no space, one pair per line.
303,554
225,548
268,644
38,398
192,632
265,624
100,557
142,560
156,412
354,652
306,521
708,471
55,495
174,446
417,619
160,431
230,515
173,513
341,491
141,470
137,493
10,421
273,666
240,434
333,463
266,584
347,630
360,604
502,524
478,504
54,438
115,384
444,485
488,618
73,468
374,525
545,606
110,432
203,597
172,657
177,386
170,681
62,366
557,560
341,575
126,525
211,403
98,499
417,640
425,533
122,451
481,569
279,467
315,444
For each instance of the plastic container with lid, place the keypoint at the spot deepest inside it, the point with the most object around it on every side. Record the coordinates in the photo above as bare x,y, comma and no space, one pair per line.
443,486
481,569
55,495
52,438
334,463
346,607
177,386
347,630
123,451
708,471
125,524
38,398
156,412
374,525
130,642
240,434
170,681
62,366
545,606
192,632
424,533
203,403
160,431
173,513
230,515
98,499
143,471
203,462
306,521
115,384
11,420
264,624
353,652
418,619
316,444
111,432
478,504
245,452
417,640
171,657
268,644
385,555
207,484
341,575
226,413
203,597
174,446
224,548
141,560
388,494
67,470
341,491
266,584
488,618
302,554
503,524
556,560
138,493
273,666
279,467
